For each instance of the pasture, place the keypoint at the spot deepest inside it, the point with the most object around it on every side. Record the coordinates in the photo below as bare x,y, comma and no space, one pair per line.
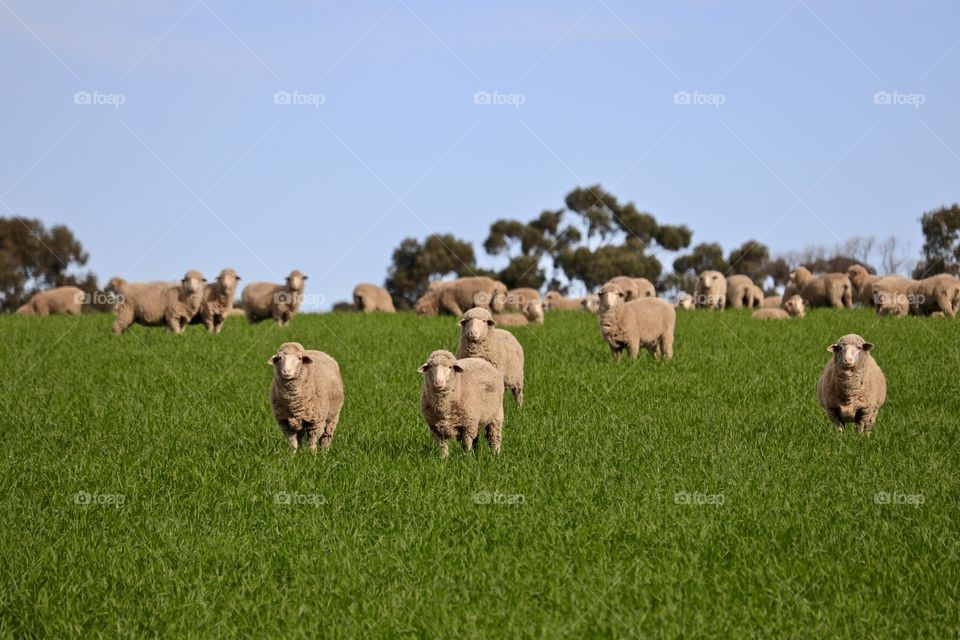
146,490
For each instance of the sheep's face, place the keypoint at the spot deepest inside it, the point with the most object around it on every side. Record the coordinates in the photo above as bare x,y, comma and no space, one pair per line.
114,285
289,360
499,298
193,282
440,372
611,296
856,271
228,279
850,350
475,326
534,311
706,279
425,306
295,281
550,298
795,306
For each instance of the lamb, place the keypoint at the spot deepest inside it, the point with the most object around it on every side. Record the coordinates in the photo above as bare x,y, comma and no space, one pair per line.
306,395
591,303
263,300
60,300
369,298
555,300
758,297
793,308
890,295
518,299
479,338
648,323
157,303
635,288
711,290
939,293
772,302
827,290
217,301
862,281
463,293
740,291
852,387
459,397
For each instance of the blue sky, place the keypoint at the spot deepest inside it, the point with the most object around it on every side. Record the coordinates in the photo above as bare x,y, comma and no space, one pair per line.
781,139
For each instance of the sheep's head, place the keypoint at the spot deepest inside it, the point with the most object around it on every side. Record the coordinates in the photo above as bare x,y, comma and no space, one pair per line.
800,275
113,286
228,279
685,301
289,360
295,281
476,324
551,297
611,297
499,297
795,306
857,272
193,281
534,311
850,350
440,371
708,278
26,309
428,305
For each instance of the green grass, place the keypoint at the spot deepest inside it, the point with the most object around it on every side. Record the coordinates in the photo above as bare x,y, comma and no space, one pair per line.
392,540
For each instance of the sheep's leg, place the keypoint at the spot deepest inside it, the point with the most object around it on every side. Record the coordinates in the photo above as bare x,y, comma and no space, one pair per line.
441,443
666,344
517,391
124,319
313,432
218,323
634,349
494,433
328,429
834,415
210,323
290,434
945,304
867,418
466,440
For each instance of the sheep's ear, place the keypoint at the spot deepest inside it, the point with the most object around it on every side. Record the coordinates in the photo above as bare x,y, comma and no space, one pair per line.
272,359
458,368
423,367
867,346
491,323
307,359
622,294
833,348
462,322
305,277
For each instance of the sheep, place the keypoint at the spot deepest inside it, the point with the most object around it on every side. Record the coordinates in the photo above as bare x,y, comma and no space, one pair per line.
890,295
157,303
772,302
369,298
463,293
852,387
217,301
939,293
862,281
264,300
479,338
792,308
591,303
306,395
740,291
635,288
711,290
534,311
684,301
758,297
555,300
827,290
532,314
459,397
647,322
518,299
60,300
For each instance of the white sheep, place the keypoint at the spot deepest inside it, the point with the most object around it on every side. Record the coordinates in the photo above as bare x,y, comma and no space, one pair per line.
711,290
647,323
264,300
852,387
369,298
792,308
306,395
459,397
218,300
157,303
479,338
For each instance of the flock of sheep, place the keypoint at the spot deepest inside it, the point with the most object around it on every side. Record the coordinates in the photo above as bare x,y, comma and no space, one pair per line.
463,393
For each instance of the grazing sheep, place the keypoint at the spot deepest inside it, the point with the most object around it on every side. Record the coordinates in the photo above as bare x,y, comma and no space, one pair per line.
369,298
647,323
591,303
793,308
634,288
518,299
862,281
265,300
306,395
852,387
740,291
217,300
827,290
939,293
772,302
758,297
554,300
510,320
60,300
684,301
459,397
463,293
890,295
479,338
157,303
711,290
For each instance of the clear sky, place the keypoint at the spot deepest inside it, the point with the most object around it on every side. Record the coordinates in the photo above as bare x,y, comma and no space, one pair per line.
154,129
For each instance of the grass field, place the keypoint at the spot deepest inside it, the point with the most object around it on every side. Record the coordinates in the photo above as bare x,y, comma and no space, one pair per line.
702,497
